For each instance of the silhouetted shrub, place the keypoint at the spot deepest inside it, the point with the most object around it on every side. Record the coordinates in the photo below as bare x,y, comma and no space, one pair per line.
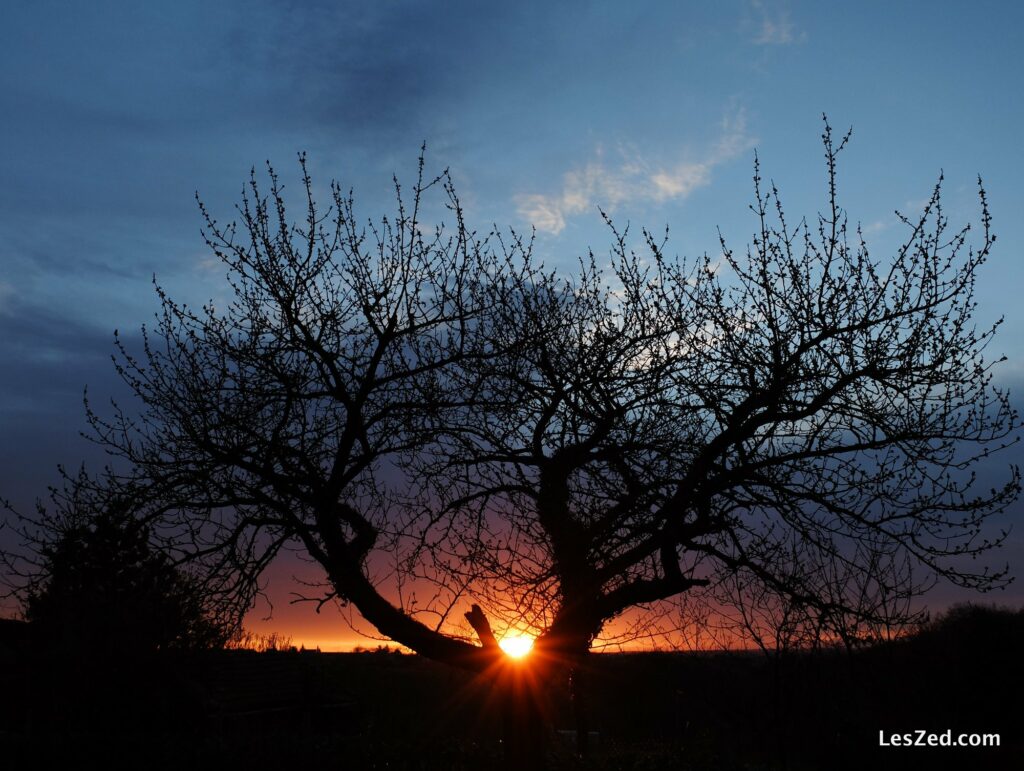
104,588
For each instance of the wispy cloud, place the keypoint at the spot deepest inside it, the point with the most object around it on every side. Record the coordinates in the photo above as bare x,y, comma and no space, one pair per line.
775,28
875,227
633,179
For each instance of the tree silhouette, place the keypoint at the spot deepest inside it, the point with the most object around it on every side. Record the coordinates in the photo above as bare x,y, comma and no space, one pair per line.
94,584
802,422
437,420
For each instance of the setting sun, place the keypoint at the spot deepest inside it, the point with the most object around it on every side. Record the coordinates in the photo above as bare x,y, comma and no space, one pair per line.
516,647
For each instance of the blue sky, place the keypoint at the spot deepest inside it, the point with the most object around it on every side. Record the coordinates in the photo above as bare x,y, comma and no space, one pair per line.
115,113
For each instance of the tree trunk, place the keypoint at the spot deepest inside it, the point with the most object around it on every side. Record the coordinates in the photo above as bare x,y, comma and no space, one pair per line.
519,691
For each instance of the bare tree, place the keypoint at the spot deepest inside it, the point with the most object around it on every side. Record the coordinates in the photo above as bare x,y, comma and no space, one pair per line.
438,421
277,421
674,424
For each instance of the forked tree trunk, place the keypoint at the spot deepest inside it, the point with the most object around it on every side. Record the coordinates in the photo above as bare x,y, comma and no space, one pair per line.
518,687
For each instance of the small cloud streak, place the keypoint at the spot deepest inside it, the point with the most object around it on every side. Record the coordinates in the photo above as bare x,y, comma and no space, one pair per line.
634,180
776,28
875,227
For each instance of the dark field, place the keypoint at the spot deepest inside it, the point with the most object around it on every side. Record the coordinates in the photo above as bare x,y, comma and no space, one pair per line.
649,711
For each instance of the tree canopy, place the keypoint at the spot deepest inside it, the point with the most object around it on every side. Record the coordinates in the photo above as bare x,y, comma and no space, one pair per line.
438,420
95,583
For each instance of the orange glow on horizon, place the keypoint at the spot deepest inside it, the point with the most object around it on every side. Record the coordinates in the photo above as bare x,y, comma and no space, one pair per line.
516,646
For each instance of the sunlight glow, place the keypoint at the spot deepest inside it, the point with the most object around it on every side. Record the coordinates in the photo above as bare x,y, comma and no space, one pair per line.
516,647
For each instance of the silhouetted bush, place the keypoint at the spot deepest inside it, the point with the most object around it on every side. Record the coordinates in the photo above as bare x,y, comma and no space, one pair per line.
104,589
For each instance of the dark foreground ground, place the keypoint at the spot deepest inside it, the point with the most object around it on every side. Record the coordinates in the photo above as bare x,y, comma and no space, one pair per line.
648,711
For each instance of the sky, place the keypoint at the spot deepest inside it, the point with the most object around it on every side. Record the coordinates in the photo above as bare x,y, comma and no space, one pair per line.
116,113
